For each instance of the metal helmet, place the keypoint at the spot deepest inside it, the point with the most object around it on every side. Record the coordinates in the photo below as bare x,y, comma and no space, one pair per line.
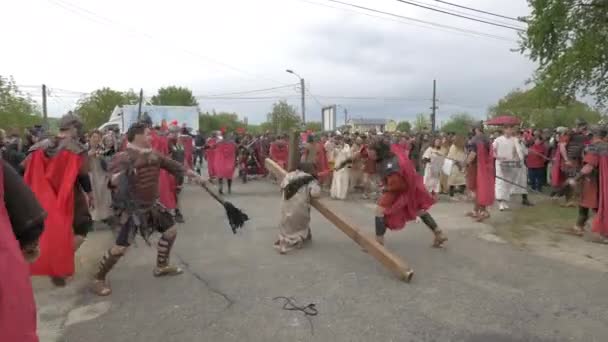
71,120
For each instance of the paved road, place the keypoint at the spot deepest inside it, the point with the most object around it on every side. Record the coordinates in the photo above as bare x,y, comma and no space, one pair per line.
474,290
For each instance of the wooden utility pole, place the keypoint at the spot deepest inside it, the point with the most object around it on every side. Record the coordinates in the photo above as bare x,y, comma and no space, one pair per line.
434,107
302,85
45,118
141,99
294,151
378,251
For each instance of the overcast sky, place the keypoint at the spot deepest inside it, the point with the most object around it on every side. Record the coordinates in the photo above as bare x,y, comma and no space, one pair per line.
219,47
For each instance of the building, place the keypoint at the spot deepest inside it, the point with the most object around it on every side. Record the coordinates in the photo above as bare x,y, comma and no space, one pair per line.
366,125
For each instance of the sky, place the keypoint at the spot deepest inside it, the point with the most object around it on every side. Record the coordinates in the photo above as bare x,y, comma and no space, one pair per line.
372,64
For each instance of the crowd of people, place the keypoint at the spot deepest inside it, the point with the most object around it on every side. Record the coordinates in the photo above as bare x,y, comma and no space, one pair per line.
55,187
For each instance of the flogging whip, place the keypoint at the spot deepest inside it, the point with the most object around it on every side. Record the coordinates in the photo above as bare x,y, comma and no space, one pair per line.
236,217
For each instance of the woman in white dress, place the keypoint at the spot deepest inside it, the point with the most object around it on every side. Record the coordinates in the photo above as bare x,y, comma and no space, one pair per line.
98,166
341,179
433,162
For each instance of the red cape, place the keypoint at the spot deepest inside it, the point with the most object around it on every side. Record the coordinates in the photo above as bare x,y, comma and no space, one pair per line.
186,141
600,222
17,305
225,157
484,192
210,155
410,202
401,151
279,152
52,181
322,165
557,177
167,185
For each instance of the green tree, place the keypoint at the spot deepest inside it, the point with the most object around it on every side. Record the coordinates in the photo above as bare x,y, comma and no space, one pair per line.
422,122
404,126
213,121
16,110
96,108
536,107
283,117
567,38
174,96
459,123
314,126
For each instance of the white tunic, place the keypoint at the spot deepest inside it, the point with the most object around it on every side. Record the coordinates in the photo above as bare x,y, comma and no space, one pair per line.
340,181
432,169
505,152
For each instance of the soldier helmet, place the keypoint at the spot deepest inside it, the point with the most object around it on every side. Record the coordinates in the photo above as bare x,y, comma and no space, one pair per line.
146,120
70,120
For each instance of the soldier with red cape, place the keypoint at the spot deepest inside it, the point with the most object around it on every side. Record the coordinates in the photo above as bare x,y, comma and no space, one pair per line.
167,184
402,148
404,197
187,142
594,192
21,223
279,152
480,173
57,172
225,162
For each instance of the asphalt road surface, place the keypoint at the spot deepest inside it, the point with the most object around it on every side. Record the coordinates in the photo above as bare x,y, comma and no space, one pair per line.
473,290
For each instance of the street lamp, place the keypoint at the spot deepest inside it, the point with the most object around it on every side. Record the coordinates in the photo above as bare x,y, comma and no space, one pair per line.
303,95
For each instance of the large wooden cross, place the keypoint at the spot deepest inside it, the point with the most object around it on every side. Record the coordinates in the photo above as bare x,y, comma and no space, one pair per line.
378,251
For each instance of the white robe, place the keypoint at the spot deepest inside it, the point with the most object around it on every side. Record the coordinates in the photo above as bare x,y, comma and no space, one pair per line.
505,150
522,172
432,169
341,179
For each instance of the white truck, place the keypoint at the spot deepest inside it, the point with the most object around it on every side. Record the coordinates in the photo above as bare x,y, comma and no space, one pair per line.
124,116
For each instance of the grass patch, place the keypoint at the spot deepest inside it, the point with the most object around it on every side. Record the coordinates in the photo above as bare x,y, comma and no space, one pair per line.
544,216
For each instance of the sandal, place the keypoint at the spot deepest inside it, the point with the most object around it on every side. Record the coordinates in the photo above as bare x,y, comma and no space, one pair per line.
440,239
101,288
578,231
167,271
482,216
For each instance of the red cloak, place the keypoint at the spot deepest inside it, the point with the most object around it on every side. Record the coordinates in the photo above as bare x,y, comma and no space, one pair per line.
225,157
186,141
401,151
557,177
322,166
484,189
52,180
260,152
17,305
210,155
410,202
600,221
279,152
167,184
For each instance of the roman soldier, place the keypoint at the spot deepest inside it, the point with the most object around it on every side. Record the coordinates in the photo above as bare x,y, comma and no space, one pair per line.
21,223
404,197
594,190
225,161
57,171
135,182
177,153
480,173
571,149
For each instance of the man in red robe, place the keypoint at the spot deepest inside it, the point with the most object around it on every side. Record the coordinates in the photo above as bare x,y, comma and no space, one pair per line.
480,173
57,172
21,223
225,161
188,143
404,197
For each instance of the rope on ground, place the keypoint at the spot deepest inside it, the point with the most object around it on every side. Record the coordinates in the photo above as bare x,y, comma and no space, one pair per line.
309,310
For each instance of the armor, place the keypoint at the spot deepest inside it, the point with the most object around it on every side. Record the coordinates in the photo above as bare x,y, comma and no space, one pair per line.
576,146
388,166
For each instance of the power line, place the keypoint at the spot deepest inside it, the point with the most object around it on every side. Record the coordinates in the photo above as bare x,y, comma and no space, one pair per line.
92,15
251,91
433,24
480,11
460,16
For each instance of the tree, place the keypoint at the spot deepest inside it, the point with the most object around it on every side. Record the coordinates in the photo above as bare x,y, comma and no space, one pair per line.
174,96
459,123
282,118
568,40
95,109
16,110
404,126
213,121
422,122
314,126
536,107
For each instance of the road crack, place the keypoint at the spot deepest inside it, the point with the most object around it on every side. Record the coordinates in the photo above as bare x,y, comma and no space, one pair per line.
200,278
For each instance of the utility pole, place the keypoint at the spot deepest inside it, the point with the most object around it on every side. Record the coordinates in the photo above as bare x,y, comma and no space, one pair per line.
141,99
345,116
302,85
45,119
434,107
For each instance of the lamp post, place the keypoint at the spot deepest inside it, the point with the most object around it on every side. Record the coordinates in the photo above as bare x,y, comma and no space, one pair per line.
303,95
